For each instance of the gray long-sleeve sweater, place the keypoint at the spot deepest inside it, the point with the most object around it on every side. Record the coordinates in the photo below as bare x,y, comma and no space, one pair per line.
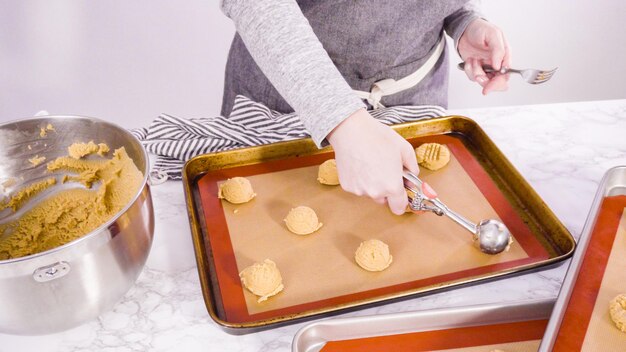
309,55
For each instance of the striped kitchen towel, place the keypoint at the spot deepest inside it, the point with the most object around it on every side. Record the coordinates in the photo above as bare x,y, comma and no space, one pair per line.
175,140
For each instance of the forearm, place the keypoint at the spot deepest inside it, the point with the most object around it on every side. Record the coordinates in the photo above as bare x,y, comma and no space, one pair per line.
282,43
456,23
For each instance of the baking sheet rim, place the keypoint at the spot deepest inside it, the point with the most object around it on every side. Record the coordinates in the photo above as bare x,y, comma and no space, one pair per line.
488,313
308,147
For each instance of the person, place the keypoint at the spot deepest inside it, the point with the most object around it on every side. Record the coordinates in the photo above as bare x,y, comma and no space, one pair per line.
314,56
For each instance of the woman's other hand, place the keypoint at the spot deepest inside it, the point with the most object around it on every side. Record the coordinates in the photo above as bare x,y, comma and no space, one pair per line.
483,43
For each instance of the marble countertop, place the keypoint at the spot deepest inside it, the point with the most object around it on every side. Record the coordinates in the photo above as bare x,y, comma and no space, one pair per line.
562,150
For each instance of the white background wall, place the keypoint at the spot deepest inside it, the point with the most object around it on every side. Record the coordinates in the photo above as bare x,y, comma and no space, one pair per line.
128,61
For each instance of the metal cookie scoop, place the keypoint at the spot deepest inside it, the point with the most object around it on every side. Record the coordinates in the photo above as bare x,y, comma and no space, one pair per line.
493,237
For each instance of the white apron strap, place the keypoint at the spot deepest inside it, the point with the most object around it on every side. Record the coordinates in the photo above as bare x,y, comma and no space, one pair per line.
391,86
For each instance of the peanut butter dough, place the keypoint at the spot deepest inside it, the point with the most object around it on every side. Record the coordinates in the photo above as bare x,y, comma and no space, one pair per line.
302,221
617,310
236,190
433,156
24,194
327,173
10,182
36,160
80,150
262,279
44,131
70,214
373,255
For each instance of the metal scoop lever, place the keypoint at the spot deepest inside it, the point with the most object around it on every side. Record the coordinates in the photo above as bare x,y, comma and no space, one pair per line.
492,235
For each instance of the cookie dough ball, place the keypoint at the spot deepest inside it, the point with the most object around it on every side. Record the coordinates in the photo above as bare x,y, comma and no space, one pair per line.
433,156
617,308
302,221
236,190
373,255
327,173
262,279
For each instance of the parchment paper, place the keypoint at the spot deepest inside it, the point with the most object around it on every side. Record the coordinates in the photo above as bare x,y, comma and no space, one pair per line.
321,265
602,334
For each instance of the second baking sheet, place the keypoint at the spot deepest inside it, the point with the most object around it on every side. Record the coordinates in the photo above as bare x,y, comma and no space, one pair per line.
523,336
508,326
587,325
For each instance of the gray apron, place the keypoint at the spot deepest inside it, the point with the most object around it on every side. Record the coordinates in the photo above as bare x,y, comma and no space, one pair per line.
368,41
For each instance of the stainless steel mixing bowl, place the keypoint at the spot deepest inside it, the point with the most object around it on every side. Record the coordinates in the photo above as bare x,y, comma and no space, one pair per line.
74,283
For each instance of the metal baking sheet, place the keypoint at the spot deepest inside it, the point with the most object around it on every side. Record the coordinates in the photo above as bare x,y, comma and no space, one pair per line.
611,188
315,336
218,269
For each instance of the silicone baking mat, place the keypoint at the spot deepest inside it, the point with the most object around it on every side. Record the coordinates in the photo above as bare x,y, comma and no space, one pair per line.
587,325
522,336
318,270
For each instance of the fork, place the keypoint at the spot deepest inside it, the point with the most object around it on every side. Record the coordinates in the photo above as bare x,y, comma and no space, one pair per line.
530,75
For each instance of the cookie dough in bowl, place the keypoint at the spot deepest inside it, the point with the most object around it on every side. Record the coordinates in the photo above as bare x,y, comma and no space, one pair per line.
76,233
69,214
80,150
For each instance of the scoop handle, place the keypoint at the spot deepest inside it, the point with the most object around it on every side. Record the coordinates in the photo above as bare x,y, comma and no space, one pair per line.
456,217
426,192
